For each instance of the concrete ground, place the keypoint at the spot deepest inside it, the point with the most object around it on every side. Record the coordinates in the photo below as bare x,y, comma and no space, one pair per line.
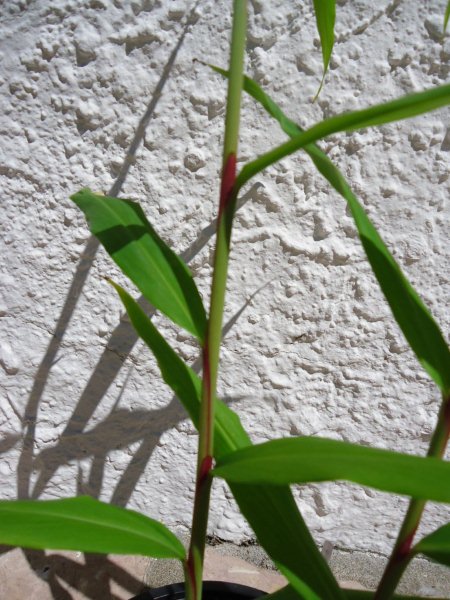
36,575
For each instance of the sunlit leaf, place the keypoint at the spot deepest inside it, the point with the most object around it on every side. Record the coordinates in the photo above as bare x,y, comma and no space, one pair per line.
436,545
325,17
87,525
402,108
446,16
312,459
362,595
412,316
293,546
182,379
165,281
289,593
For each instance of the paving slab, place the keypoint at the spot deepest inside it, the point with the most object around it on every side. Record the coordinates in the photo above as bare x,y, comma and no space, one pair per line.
36,575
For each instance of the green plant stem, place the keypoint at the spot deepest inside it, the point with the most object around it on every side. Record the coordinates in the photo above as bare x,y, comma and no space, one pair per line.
403,550
211,348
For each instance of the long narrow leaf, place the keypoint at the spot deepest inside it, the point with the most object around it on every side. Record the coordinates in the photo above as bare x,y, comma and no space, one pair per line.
402,108
436,545
289,593
325,17
362,595
303,591
285,593
85,524
288,542
446,16
308,459
123,229
182,379
262,506
412,316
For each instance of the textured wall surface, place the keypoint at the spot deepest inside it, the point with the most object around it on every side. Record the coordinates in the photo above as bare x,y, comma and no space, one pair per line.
105,94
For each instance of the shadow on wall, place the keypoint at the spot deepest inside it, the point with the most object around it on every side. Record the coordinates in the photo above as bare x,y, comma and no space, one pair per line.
145,426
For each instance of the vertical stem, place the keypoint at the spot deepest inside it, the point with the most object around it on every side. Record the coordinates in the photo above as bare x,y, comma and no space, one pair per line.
403,550
211,347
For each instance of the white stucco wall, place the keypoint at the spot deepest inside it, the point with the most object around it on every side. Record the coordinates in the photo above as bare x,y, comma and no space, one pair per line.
316,351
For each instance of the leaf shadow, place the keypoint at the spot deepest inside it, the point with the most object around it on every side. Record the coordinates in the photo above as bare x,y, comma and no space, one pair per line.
75,443
106,370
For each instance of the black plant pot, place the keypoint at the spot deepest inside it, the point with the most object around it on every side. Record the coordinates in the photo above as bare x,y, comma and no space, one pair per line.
212,590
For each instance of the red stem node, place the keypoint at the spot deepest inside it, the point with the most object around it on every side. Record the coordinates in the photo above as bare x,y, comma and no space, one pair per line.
228,180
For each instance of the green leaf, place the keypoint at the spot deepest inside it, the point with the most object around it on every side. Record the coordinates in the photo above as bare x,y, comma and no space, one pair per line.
436,545
402,108
282,532
325,17
447,16
182,379
162,277
308,459
292,545
362,595
87,525
289,593
285,593
412,316
303,591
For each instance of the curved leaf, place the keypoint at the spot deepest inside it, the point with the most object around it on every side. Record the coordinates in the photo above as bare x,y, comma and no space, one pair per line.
363,595
402,108
87,525
412,316
302,590
182,379
289,593
446,16
293,546
325,17
436,545
165,281
308,459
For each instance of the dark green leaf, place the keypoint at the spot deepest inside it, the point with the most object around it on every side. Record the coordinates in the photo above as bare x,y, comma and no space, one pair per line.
87,525
281,531
182,379
292,545
402,108
414,319
289,593
308,459
360,595
325,17
436,545
162,277
447,16
285,593
303,591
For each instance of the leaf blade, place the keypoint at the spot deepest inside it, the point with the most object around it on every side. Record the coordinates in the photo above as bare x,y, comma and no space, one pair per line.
379,114
182,379
85,524
294,546
123,229
446,16
309,459
325,11
436,545
363,595
412,316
